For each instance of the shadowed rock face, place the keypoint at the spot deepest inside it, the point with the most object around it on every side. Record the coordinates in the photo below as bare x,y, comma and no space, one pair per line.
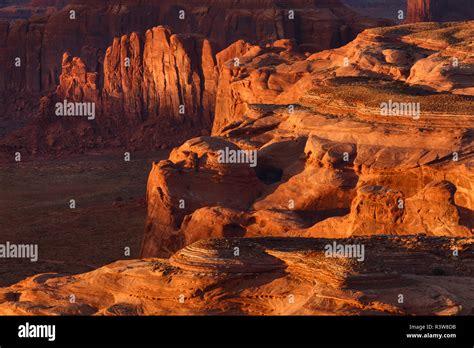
266,276
329,163
439,10
15,10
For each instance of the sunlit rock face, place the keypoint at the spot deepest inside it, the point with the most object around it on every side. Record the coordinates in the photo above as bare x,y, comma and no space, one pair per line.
337,154
266,276
157,89
159,76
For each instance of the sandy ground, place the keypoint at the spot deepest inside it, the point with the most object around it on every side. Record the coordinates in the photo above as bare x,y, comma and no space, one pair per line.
109,214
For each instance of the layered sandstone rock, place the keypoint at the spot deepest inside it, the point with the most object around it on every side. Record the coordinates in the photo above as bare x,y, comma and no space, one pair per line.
156,90
40,42
330,162
381,210
337,156
424,55
420,55
167,76
266,276
132,96
193,178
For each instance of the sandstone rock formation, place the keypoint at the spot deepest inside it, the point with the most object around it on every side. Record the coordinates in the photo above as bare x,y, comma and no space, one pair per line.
75,82
266,276
192,169
439,10
132,96
420,55
40,42
366,145
430,211
330,162
157,90
173,71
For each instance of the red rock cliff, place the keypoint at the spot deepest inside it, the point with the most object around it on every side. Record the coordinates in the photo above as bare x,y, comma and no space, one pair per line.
40,42
156,89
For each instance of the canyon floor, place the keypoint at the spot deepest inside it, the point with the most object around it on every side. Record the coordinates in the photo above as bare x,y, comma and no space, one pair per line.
109,195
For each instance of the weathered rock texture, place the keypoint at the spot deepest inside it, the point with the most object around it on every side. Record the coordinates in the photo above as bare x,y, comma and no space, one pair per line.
139,103
165,73
157,90
193,178
329,162
432,56
440,10
268,276
40,42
